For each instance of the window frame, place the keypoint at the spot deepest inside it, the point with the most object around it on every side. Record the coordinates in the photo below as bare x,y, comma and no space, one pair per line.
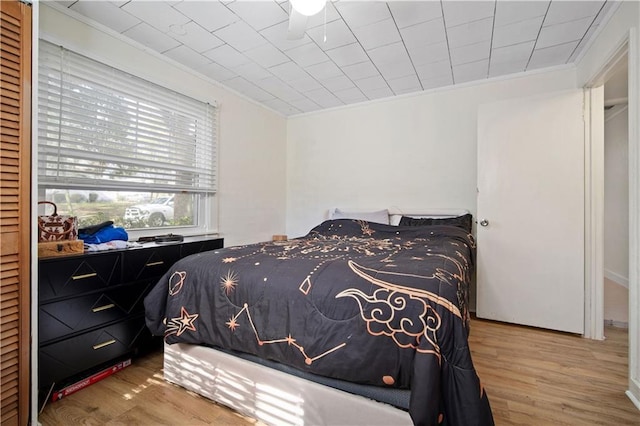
206,202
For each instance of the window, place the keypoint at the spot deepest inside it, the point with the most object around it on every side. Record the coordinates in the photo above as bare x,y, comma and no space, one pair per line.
112,146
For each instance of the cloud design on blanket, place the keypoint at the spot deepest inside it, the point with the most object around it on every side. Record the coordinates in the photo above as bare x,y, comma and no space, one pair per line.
400,312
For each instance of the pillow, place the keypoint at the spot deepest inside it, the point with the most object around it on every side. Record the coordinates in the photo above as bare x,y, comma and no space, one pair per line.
463,221
380,216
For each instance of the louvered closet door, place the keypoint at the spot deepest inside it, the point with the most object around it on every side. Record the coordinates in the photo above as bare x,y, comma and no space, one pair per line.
15,112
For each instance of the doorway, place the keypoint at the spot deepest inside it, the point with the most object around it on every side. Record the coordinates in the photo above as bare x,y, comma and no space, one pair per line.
616,196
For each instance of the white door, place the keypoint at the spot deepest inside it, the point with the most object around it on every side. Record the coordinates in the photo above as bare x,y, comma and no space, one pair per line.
530,232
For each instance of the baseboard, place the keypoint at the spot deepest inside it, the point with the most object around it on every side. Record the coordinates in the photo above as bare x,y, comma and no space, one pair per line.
616,278
617,324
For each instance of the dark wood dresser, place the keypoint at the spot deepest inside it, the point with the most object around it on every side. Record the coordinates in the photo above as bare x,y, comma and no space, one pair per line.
91,310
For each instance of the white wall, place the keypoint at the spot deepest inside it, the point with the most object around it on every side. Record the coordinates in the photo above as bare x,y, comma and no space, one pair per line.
616,196
252,139
413,153
616,215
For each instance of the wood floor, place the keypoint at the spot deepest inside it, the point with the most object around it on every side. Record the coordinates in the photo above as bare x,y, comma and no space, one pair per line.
532,377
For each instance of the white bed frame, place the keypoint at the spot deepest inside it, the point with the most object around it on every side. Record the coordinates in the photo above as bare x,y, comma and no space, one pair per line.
271,396
274,397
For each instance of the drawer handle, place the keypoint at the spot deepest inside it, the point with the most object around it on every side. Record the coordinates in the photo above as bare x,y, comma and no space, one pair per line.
160,262
103,344
103,308
80,277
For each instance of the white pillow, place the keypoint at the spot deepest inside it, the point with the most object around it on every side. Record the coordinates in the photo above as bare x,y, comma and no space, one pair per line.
380,216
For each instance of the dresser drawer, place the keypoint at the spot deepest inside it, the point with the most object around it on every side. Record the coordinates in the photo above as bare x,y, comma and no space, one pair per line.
77,275
72,356
152,262
69,316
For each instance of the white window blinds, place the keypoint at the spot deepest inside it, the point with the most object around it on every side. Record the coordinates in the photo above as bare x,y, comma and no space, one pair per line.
101,127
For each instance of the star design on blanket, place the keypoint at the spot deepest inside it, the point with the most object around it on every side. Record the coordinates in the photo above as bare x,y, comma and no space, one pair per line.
182,323
229,259
232,324
229,282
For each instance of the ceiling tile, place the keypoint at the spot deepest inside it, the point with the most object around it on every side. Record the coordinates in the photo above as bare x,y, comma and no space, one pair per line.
406,84
388,53
378,34
324,70
324,98
252,71
304,84
434,70
305,105
407,13
460,12
226,56
282,107
562,33
240,36
378,93
503,68
512,12
471,71
187,57
279,89
392,61
360,70
307,54
107,14
277,35
289,71
565,11
350,95
418,36
470,53
337,33
429,54
360,13
515,53
259,14
338,83
249,89
217,72
550,56
194,36
151,37
375,82
267,55
517,33
393,70
210,15
347,55
470,32
433,83
157,14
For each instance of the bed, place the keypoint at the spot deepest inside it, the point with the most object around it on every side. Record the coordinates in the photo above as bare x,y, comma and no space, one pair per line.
356,322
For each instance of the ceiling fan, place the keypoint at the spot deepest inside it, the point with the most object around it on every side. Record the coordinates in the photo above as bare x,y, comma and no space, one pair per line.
299,13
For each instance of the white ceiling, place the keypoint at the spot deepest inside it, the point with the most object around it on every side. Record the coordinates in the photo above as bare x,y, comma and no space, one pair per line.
373,49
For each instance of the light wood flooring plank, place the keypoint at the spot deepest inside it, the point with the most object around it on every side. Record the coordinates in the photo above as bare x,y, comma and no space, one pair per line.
532,377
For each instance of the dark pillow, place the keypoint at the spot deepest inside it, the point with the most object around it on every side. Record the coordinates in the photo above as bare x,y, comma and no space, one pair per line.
463,221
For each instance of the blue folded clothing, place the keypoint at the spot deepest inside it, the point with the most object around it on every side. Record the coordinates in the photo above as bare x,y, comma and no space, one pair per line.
104,235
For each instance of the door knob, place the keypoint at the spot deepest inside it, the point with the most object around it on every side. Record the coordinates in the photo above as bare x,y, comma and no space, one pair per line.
484,222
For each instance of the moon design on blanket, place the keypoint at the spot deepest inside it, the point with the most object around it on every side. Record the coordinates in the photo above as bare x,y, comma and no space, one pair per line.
399,311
